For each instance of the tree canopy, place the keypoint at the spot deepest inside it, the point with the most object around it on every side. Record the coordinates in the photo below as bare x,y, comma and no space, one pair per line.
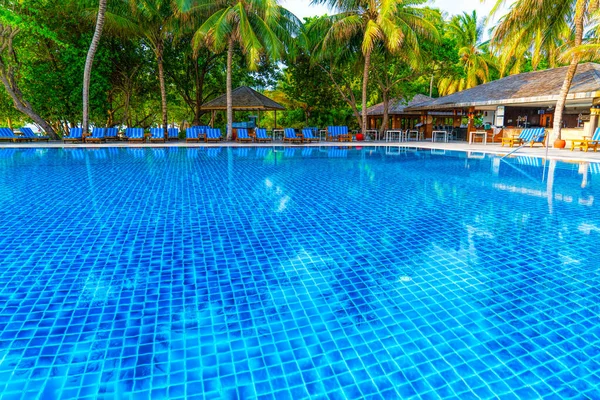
158,61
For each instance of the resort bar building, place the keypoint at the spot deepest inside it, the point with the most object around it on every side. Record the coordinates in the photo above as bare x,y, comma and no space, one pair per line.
505,106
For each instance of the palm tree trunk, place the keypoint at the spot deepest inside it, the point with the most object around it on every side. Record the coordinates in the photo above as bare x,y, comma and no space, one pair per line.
367,67
564,91
163,88
229,91
89,61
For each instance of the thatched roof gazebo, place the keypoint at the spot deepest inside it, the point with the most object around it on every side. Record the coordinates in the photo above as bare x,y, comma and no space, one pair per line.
244,99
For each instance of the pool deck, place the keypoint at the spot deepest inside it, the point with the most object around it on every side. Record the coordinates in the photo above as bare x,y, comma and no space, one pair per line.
556,154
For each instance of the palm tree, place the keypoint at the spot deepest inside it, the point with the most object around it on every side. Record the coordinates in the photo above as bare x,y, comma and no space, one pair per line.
390,23
87,72
475,61
527,17
156,21
259,27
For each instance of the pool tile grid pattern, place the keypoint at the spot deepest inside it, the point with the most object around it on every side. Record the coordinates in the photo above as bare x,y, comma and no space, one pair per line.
257,275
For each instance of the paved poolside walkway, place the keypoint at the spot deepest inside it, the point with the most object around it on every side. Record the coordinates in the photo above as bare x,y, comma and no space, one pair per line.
558,154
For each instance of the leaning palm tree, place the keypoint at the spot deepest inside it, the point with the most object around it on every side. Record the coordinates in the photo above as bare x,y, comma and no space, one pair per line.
525,18
87,72
390,23
261,28
475,61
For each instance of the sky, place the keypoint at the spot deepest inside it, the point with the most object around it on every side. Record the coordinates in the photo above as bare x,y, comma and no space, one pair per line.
302,8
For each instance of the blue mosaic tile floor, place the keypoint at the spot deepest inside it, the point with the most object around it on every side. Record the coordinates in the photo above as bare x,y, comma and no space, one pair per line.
295,273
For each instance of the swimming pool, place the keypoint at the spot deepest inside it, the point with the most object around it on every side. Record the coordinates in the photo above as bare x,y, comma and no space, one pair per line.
297,272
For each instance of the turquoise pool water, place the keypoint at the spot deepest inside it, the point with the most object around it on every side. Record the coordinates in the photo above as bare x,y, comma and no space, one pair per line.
279,273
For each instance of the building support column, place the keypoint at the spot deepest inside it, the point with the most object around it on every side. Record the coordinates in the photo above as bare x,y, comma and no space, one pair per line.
594,116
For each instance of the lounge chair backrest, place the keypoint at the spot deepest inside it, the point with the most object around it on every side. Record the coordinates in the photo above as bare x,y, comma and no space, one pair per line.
111,132
7,133
596,135
526,135
134,133
343,130
192,132
28,133
332,130
98,133
157,133
261,133
290,133
538,135
213,133
75,133
243,133
173,133
307,133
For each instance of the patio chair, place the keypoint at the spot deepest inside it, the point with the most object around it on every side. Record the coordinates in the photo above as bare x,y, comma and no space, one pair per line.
308,136
213,135
242,135
111,134
97,136
587,142
289,135
157,135
28,133
173,134
261,135
75,135
135,135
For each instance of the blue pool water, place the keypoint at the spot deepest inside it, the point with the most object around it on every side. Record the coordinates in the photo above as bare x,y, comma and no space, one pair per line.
297,273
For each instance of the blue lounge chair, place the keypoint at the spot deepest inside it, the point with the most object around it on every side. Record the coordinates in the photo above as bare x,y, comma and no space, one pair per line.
529,136
75,135
242,135
338,134
97,136
308,135
261,135
111,134
135,135
332,133
213,135
173,134
192,134
8,134
157,135
29,134
289,135
587,142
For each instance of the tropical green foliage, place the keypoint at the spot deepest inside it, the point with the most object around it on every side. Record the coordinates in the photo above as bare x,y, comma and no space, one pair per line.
159,61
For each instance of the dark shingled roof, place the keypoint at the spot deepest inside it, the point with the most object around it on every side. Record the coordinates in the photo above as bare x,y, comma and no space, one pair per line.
530,87
244,99
397,106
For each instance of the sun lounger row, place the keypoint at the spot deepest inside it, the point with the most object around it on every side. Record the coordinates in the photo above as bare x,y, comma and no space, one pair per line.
27,135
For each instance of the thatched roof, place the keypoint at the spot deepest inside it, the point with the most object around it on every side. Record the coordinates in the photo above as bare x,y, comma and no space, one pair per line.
244,99
530,87
397,106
